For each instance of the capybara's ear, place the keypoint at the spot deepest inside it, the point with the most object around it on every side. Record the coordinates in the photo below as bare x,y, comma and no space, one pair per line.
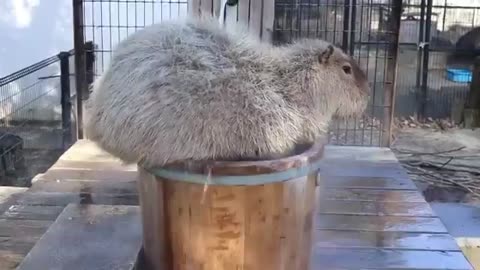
326,54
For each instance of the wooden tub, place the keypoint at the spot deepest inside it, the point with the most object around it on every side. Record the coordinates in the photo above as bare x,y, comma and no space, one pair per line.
255,215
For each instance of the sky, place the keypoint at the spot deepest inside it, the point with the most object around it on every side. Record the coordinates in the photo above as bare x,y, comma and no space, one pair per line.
32,30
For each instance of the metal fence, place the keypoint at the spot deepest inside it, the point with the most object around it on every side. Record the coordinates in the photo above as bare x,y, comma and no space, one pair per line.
365,28
430,30
35,118
104,23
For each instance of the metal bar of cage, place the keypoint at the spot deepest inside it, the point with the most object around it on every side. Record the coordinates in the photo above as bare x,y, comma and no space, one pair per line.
80,74
421,36
425,61
63,58
65,98
391,75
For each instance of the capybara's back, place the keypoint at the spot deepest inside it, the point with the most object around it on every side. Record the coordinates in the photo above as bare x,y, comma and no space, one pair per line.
181,90
191,90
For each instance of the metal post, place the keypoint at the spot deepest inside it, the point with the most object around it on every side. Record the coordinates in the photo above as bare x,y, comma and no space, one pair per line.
80,76
425,62
298,19
421,38
89,49
65,98
471,113
445,15
353,26
346,25
390,81
473,100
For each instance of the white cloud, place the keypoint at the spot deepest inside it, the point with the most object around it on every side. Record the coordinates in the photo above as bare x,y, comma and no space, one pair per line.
18,13
23,10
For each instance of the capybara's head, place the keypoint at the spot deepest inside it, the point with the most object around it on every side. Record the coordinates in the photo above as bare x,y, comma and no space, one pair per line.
335,78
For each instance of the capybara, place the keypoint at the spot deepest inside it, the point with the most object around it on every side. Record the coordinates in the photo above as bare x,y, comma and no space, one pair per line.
191,90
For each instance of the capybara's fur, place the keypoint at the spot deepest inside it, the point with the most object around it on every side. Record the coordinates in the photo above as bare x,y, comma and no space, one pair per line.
191,90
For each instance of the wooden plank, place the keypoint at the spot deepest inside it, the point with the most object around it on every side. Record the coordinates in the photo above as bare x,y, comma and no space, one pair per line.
268,20
332,258
362,170
231,17
366,182
106,237
380,223
8,196
206,7
371,195
98,187
32,212
155,242
359,153
22,228
176,212
7,192
87,150
224,223
244,12
471,249
217,7
17,237
64,198
9,260
384,240
17,245
200,216
304,202
222,220
59,174
255,19
193,7
93,165
415,209
255,226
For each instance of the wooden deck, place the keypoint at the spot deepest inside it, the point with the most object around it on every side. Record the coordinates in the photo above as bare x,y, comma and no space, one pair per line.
370,216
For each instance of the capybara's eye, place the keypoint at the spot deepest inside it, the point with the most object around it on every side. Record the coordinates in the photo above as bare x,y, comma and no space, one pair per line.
347,69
